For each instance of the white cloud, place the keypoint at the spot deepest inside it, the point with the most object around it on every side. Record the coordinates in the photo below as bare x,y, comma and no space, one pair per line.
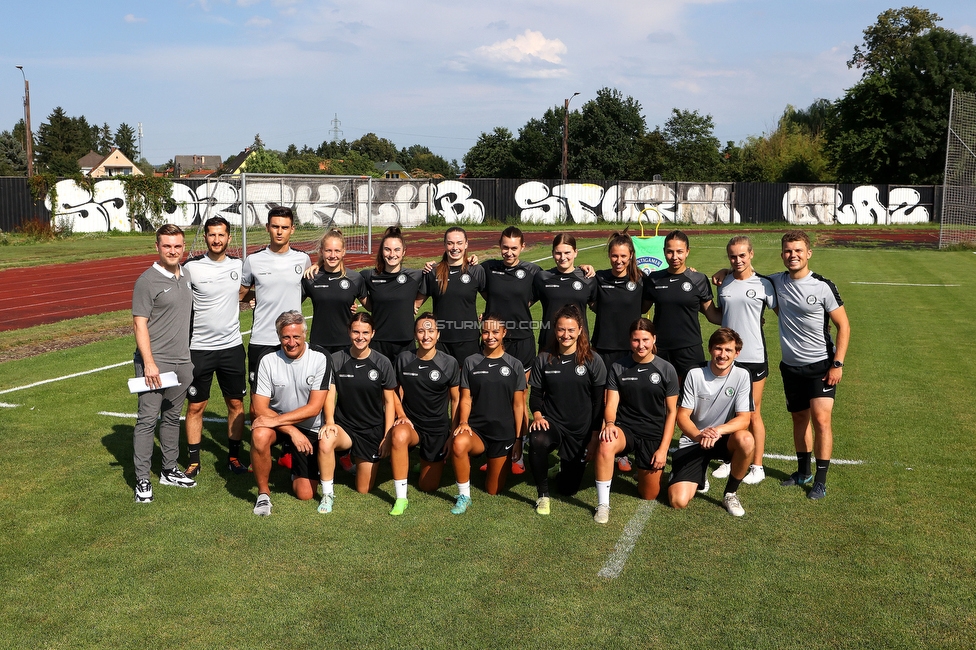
524,47
258,21
132,18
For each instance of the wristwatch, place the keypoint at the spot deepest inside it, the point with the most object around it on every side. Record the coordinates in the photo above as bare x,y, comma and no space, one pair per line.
838,364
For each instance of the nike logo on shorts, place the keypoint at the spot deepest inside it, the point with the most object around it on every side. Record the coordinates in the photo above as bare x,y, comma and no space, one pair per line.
510,446
827,390
760,374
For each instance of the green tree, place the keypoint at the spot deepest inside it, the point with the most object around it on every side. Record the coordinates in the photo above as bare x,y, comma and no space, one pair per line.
650,157
492,155
303,164
105,140
603,140
60,144
258,142
887,41
264,161
125,140
539,146
693,149
375,148
13,158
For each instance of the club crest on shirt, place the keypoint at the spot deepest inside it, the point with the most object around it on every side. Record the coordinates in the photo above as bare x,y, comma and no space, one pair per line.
310,380
192,391
811,300
751,293
373,374
520,274
402,279
343,284
505,371
580,370
233,275
655,378
435,375
299,269
465,278
686,286
631,286
730,391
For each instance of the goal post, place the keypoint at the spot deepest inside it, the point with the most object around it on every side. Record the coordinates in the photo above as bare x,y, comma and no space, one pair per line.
958,223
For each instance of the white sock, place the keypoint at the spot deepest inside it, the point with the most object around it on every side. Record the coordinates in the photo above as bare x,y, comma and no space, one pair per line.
326,487
603,493
464,488
401,488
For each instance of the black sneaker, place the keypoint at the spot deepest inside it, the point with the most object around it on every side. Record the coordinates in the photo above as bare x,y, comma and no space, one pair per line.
175,477
192,470
235,466
819,491
144,491
798,479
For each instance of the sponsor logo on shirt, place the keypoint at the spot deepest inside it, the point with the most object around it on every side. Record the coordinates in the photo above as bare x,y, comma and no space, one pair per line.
577,285
411,374
655,378
435,375
310,380
580,370
566,360
360,365
730,391
492,365
347,376
422,367
233,275
686,286
401,279
479,372
343,284
465,278
505,371
374,374
629,378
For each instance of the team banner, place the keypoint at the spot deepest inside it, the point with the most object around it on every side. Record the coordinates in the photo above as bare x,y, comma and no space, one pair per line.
649,250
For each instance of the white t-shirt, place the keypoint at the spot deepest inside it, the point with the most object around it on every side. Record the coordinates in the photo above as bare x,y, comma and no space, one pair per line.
216,308
277,280
743,303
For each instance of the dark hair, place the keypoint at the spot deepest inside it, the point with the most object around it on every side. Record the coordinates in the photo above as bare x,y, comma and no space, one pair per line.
583,351
738,239
495,317
443,273
281,211
563,238
678,235
725,335
362,317
623,239
393,232
644,325
333,233
427,315
168,230
797,235
216,221
512,232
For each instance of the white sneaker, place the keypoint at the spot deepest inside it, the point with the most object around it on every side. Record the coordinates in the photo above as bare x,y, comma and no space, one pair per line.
756,474
723,470
262,507
602,514
704,490
176,477
144,493
731,501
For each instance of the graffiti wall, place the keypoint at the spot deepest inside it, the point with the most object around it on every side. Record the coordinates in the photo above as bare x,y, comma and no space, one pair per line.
324,200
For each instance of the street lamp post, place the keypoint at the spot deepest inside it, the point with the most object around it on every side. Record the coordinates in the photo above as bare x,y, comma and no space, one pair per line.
566,136
28,136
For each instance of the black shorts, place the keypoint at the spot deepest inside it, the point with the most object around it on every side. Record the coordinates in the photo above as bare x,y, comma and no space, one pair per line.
689,464
757,371
227,364
254,355
570,447
521,349
302,465
641,447
460,350
433,442
804,383
609,356
365,442
392,349
497,448
684,359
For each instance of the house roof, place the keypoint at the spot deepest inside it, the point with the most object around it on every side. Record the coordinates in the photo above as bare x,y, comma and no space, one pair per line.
231,165
197,161
90,160
390,166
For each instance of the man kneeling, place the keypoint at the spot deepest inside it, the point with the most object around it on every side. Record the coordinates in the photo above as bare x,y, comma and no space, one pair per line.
714,414
289,395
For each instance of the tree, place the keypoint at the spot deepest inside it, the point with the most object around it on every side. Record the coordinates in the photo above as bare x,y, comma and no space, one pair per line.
891,127
538,149
264,161
13,158
125,140
258,142
60,144
375,148
650,156
693,150
603,140
887,41
492,155
105,140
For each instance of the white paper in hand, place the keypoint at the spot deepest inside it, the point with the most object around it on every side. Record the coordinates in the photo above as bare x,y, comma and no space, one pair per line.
167,379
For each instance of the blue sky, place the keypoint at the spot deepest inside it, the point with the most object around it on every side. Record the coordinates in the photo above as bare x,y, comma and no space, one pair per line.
204,76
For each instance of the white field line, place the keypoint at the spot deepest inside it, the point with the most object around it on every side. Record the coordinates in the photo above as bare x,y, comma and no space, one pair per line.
133,416
628,539
4,405
906,284
833,461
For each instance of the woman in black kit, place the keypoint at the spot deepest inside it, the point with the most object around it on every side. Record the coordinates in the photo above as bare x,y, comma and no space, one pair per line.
359,412
393,295
566,402
333,293
429,397
454,285
563,284
490,413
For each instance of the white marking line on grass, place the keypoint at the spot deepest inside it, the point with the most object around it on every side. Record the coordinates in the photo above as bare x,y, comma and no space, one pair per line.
133,416
906,284
71,376
833,461
4,405
628,539
549,257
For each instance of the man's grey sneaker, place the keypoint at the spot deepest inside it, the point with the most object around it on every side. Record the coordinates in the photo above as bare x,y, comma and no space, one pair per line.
798,479
819,491
602,514
262,507
705,489
144,491
756,474
176,477
722,471
731,502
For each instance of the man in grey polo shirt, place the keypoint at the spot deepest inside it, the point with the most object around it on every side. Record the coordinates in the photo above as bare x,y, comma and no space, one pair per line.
161,307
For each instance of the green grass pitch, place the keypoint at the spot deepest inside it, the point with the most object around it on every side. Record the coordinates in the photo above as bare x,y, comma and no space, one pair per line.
887,560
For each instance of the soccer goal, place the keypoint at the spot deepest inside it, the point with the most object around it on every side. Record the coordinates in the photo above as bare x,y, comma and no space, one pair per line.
959,185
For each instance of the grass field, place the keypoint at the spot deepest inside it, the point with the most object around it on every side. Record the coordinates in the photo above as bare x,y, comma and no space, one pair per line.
887,560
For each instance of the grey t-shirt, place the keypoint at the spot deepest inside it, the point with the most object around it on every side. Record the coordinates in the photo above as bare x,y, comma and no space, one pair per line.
743,303
216,310
277,280
167,302
715,400
804,317
289,382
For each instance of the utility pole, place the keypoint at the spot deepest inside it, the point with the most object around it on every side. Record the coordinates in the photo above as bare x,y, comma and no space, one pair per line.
566,136
335,131
29,137
140,141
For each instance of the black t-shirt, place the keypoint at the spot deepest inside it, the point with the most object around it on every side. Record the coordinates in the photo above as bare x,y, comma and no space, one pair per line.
643,389
677,299
426,388
568,395
493,383
332,294
457,309
508,293
555,290
391,297
617,306
360,405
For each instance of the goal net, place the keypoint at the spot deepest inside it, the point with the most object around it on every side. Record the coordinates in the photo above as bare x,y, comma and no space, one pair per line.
959,185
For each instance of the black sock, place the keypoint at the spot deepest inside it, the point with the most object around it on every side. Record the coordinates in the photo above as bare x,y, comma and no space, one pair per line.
803,462
732,485
235,448
194,453
822,467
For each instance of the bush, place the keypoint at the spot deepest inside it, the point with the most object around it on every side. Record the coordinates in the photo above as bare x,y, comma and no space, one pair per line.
36,229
